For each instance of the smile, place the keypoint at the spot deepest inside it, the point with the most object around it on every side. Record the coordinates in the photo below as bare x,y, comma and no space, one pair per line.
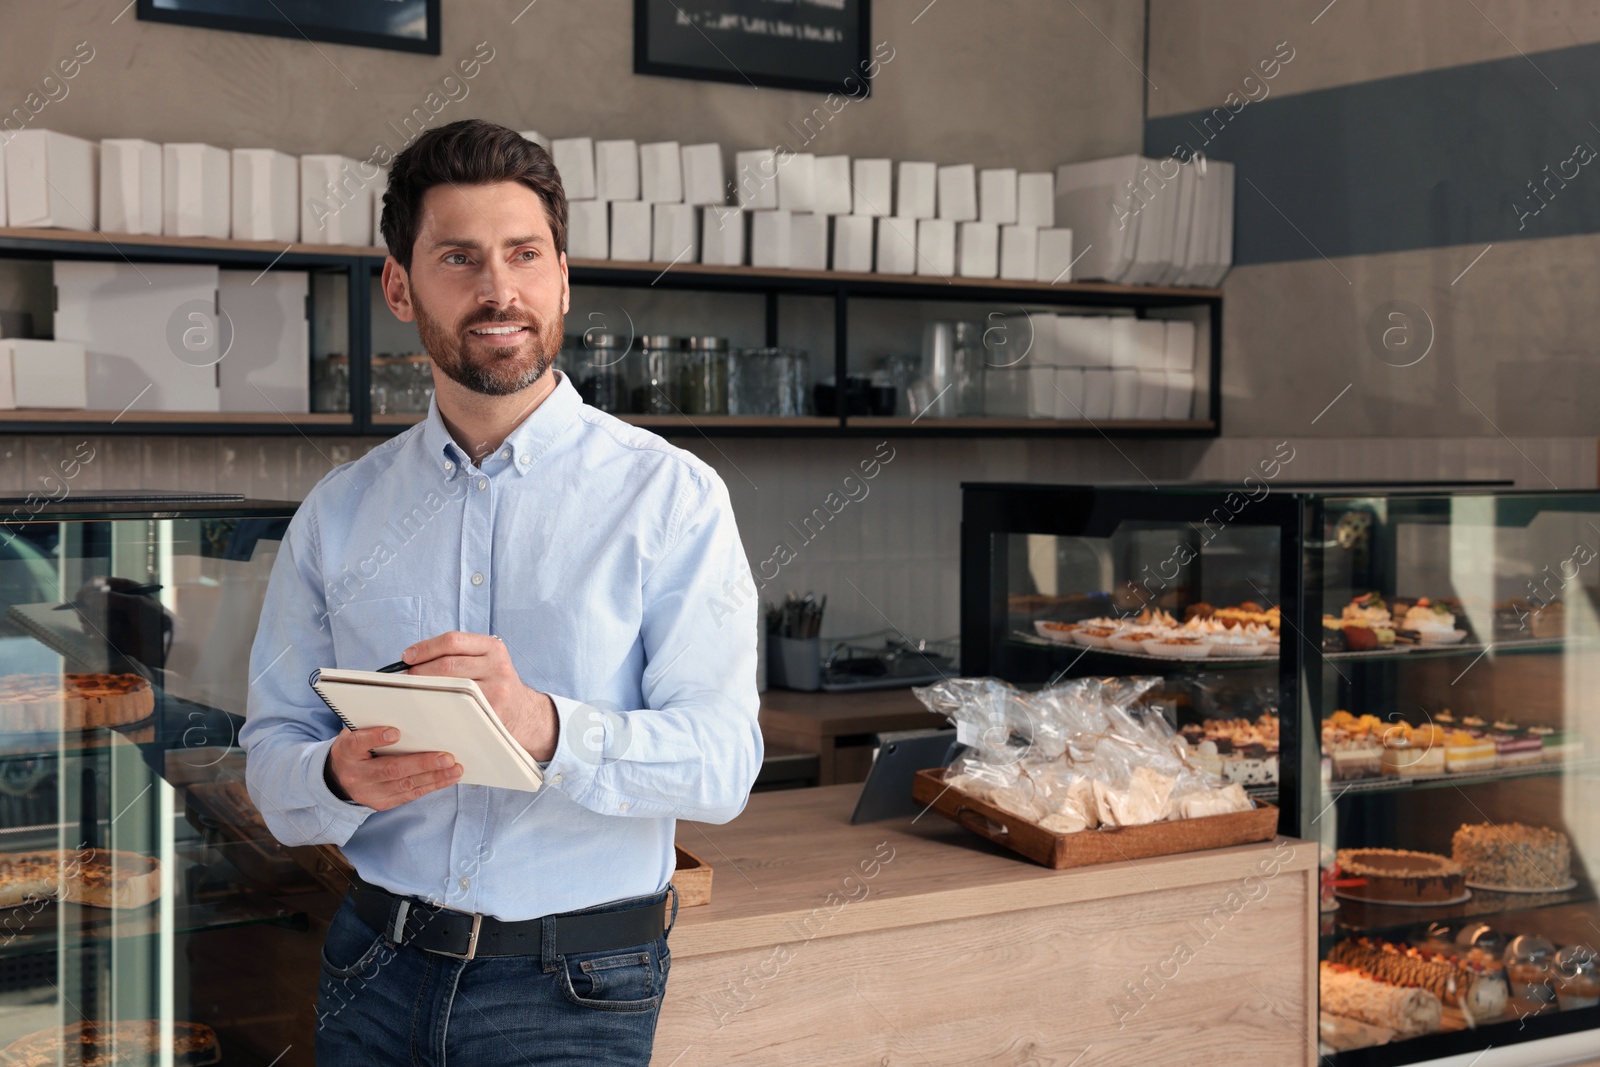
494,331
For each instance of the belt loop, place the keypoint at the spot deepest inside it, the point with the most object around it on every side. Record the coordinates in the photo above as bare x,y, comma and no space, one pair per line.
547,946
674,920
398,911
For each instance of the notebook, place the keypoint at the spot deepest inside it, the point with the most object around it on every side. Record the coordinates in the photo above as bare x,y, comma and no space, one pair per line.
433,715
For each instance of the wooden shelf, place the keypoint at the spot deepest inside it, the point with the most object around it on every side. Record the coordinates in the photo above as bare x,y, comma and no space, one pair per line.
134,415
899,422
192,244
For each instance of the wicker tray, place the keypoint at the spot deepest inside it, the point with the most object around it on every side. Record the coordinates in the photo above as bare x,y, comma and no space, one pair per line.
692,879
1058,851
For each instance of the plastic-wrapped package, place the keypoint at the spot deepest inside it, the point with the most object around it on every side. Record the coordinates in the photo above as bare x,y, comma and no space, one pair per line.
1076,755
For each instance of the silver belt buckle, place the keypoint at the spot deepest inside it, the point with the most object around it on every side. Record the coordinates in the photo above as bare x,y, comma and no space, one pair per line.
472,941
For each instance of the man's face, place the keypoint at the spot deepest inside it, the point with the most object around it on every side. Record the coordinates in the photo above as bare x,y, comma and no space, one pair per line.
486,286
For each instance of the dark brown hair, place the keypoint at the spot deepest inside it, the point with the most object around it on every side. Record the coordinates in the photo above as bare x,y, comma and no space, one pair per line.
469,152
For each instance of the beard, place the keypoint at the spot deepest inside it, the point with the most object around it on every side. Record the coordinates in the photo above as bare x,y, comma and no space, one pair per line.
492,371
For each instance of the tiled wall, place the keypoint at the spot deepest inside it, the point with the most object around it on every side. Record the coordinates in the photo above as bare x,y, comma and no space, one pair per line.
889,557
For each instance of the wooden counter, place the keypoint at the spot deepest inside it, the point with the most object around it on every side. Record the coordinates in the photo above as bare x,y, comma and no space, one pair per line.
839,726
916,942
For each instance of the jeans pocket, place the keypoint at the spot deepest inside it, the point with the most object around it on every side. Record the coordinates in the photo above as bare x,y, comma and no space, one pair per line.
351,948
621,981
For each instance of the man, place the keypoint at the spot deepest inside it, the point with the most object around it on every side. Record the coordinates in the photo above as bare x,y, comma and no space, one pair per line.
579,569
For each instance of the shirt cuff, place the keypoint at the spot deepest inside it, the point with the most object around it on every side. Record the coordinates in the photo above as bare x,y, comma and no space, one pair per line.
344,816
581,744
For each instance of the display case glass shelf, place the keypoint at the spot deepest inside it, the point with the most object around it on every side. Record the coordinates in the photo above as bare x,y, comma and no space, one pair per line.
1417,664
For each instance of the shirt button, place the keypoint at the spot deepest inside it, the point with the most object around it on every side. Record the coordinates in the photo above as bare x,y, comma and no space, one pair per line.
623,806
524,460
477,578
465,883
483,483
506,454
555,780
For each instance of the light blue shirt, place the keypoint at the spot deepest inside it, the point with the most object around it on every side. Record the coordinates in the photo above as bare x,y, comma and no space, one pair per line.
608,562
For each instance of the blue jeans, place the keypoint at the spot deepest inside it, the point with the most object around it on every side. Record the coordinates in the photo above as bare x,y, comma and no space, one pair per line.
379,1005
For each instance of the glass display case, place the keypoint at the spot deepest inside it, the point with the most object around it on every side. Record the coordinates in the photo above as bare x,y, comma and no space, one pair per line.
1415,664
134,873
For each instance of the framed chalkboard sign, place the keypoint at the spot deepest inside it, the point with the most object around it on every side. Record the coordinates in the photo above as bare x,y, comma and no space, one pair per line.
816,45
403,25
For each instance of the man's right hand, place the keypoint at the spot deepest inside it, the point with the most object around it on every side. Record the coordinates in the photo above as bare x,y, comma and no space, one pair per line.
383,782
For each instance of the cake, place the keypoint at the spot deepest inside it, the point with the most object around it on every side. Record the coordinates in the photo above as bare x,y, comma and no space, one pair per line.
1413,750
1464,752
1430,621
1577,977
112,1044
34,703
1514,746
1482,992
1352,745
1557,745
1248,770
1399,876
1513,855
1349,993
102,878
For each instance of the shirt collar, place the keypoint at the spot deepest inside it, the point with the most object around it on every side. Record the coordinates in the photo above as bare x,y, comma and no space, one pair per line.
527,442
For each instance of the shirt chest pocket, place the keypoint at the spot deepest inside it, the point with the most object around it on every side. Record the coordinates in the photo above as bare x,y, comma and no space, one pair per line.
368,634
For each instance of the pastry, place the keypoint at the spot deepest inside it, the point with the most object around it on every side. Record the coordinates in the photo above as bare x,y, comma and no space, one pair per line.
124,1043
1431,622
1333,639
1530,964
1245,770
1577,977
102,878
1556,745
34,703
1443,976
1399,876
1513,855
1413,750
1513,746
1405,1011
1369,609
1464,752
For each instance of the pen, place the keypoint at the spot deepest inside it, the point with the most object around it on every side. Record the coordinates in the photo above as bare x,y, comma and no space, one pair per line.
394,668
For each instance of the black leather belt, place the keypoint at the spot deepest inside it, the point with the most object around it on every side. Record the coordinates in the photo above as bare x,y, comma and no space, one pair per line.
465,935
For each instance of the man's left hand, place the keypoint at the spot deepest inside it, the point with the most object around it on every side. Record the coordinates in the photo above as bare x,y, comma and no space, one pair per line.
529,714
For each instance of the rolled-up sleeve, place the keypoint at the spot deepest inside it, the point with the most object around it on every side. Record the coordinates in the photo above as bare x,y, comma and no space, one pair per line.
693,750
288,730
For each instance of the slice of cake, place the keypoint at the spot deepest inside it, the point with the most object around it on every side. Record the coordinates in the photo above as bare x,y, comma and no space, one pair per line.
1465,753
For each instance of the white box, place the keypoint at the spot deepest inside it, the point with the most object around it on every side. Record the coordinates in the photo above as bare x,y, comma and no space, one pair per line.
702,174
588,229
918,183
797,182
722,236
335,201
755,179
8,395
1084,340
1036,200
1180,345
1150,344
44,374
130,186
266,196
616,170
1097,388
574,160
1041,391
1005,392
897,245
1124,343
1019,253
808,241
978,249
52,180
834,196
852,243
1070,399
1180,395
268,366
632,230
771,238
537,138
1055,256
197,192
997,195
1124,393
936,247
677,234
874,191
661,173
1152,394
958,192
150,333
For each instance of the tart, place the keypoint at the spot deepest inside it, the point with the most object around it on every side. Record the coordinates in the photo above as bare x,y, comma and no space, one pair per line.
102,878
34,703
1399,876
113,1044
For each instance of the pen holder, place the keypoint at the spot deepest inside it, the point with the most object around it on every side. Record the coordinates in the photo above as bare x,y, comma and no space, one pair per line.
794,662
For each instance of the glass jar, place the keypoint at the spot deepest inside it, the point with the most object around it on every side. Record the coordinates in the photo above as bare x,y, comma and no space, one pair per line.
792,374
703,381
381,388
970,357
656,390
598,365
415,376
751,387
331,385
